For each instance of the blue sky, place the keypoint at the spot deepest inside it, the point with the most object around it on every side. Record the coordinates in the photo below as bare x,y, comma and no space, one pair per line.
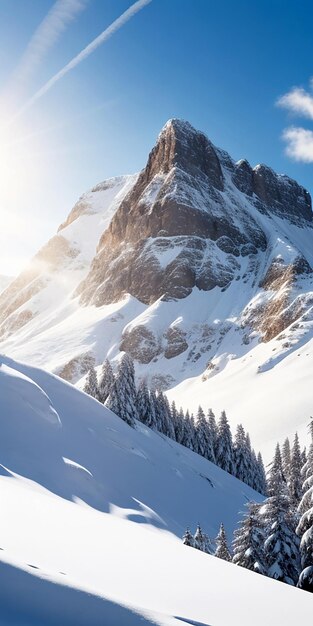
218,63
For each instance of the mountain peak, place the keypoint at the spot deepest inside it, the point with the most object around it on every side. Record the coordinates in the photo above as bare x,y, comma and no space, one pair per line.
180,145
179,126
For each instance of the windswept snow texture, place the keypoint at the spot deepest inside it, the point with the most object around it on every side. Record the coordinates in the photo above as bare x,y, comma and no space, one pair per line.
92,514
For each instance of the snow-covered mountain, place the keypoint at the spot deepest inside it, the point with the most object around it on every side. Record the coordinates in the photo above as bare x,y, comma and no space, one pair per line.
93,512
200,268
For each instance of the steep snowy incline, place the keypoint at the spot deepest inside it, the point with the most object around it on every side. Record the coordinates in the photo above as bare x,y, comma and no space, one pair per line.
71,444
41,296
90,528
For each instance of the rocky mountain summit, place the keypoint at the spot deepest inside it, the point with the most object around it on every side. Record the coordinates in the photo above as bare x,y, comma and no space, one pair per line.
184,224
190,266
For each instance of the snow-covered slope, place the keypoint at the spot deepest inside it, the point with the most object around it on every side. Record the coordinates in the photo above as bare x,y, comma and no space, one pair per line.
92,513
4,281
41,297
200,268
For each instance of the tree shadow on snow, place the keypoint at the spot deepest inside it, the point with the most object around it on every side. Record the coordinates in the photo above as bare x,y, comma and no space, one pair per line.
27,600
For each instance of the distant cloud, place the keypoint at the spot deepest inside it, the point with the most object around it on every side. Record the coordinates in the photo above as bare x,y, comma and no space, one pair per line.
98,41
297,101
61,14
299,144
299,140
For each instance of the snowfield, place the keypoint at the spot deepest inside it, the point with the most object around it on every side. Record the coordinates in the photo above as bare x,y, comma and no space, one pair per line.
93,512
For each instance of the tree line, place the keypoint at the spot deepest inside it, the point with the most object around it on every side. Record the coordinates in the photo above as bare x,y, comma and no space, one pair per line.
201,433
275,537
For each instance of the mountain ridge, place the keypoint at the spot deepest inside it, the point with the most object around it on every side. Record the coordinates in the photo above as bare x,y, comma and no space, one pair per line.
194,265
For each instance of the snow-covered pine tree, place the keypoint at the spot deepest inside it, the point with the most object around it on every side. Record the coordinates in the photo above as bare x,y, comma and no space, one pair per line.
123,396
224,450
203,436
202,541
251,463
193,433
91,384
188,432
286,458
281,546
155,412
275,467
295,481
188,539
248,541
305,526
261,476
113,400
213,430
169,420
143,403
241,454
303,457
222,550
253,472
106,381
180,428
199,540
174,418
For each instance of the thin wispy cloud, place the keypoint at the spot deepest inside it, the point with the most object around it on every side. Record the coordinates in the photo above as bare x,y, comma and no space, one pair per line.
61,14
87,51
299,140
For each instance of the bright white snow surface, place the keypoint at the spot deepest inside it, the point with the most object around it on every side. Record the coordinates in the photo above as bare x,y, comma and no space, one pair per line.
91,517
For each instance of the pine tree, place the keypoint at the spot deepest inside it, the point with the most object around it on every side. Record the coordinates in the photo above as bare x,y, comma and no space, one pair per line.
295,481
170,431
281,544
143,403
202,541
286,459
224,449
248,541
106,381
113,400
262,483
155,412
91,384
251,474
188,432
305,510
203,437
193,433
213,431
123,396
275,468
180,427
222,551
188,539
199,540
303,457
241,455
175,419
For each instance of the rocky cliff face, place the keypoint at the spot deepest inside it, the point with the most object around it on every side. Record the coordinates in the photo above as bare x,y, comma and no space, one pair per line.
187,221
193,262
